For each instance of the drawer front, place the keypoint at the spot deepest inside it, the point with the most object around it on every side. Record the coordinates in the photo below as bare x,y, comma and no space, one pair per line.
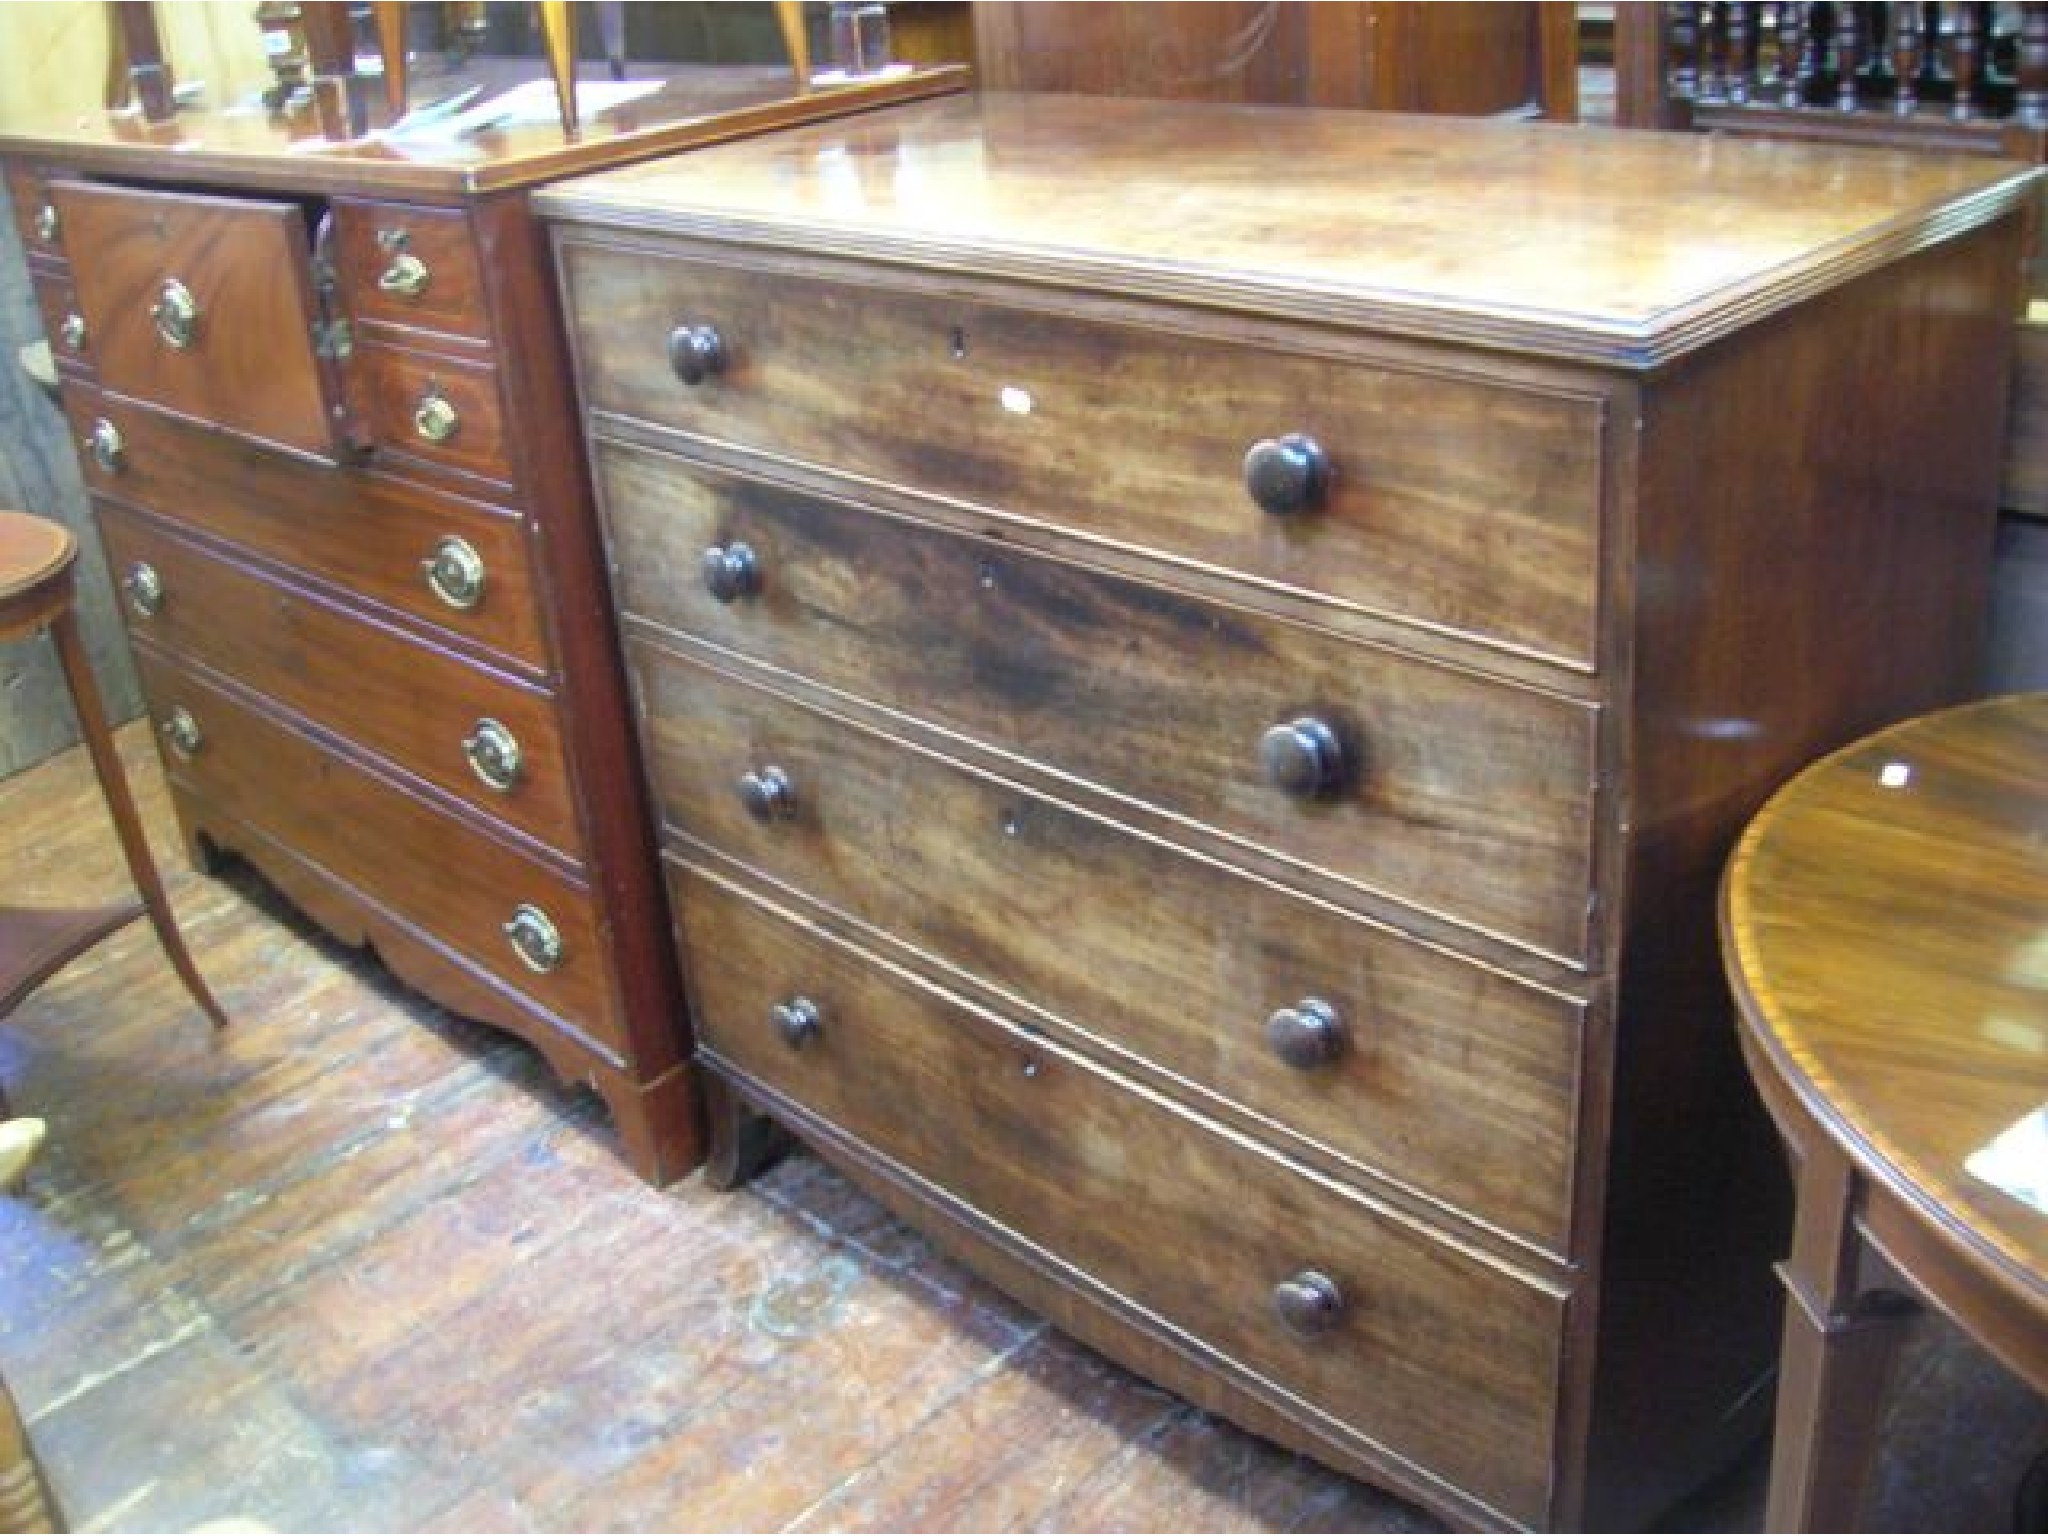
28,190
435,410
1446,1077
203,305
1468,506
421,709
450,563
1464,796
454,885
63,321
411,267
1434,1355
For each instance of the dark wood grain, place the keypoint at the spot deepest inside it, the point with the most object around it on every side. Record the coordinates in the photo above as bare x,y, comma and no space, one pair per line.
700,104
369,240
1455,1082
1464,504
1013,187
375,685
1467,797
250,366
1401,58
368,532
393,383
387,848
1439,1356
57,301
1759,593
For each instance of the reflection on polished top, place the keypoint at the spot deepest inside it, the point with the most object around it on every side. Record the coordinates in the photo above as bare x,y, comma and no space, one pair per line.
1625,247
698,104
1888,916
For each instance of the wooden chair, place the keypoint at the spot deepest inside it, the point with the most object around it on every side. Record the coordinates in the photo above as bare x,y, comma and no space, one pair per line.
37,594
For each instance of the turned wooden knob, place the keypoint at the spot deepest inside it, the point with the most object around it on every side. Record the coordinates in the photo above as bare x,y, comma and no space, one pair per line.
768,794
797,1021
1308,1035
1287,475
731,571
1308,1304
1303,757
696,352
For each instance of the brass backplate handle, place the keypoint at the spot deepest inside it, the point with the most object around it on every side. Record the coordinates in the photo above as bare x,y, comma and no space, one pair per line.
535,938
145,589
176,314
407,276
455,573
181,733
494,755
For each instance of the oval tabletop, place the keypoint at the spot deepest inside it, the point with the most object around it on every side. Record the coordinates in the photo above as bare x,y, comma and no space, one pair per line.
33,550
1885,918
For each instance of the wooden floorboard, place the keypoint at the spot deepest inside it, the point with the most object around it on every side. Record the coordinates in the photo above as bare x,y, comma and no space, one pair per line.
355,1264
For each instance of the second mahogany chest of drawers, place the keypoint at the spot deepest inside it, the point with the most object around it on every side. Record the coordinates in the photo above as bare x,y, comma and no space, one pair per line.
1197,668
327,426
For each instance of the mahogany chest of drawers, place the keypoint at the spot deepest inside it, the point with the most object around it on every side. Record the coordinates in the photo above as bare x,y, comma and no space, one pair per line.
328,431
1197,667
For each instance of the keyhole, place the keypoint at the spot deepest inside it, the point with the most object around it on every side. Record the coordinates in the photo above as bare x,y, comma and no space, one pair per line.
1011,823
985,574
957,343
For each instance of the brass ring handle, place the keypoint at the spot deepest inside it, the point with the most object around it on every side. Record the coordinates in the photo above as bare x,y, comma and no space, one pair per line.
535,938
182,734
407,276
106,446
1308,1304
455,573
49,224
435,417
1309,1035
145,589
798,1021
176,314
768,794
494,755
71,331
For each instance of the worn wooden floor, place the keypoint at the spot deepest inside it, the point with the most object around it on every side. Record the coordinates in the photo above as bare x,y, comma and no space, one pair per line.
357,1265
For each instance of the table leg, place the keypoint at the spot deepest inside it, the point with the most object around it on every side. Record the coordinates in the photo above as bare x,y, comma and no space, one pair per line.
106,763
1840,1347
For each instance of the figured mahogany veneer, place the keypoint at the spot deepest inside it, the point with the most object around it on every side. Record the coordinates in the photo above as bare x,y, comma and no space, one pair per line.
1198,667
325,415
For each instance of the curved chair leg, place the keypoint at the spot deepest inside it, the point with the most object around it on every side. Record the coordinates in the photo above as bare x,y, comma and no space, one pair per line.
106,763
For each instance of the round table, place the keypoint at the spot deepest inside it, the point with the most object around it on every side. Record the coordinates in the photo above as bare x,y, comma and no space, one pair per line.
1884,923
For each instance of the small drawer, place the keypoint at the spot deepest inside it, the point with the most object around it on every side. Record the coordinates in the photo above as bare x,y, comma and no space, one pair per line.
1471,506
63,321
514,918
410,267
35,214
204,305
478,735
1468,797
1446,1077
462,567
434,410
1292,1284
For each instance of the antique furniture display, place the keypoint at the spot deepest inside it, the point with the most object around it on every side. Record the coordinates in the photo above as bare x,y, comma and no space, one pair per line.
1881,922
1198,666
327,426
37,562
